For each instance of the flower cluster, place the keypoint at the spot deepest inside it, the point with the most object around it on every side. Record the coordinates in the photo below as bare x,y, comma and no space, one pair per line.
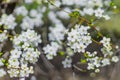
31,19
24,52
86,7
51,50
95,61
8,21
57,33
79,38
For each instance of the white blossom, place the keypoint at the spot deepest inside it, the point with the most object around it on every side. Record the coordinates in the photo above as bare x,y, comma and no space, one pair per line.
57,33
2,72
51,50
79,38
115,59
105,62
8,21
21,10
99,12
3,36
67,63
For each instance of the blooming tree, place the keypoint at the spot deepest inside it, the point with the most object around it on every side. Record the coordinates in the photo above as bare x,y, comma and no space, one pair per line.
54,28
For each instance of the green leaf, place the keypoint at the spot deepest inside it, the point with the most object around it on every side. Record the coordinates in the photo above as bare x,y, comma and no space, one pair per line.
112,4
3,60
1,54
6,64
86,55
61,53
83,61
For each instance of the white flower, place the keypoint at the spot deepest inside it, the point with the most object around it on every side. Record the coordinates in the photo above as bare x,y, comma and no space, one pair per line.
57,33
33,78
79,38
96,62
99,12
8,21
93,3
69,52
51,50
68,2
13,62
88,11
97,70
105,40
2,72
81,47
28,1
63,14
115,59
27,23
3,36
106,17
29,37
25,70
31,55
33,13
105,62
90,66
13,72
21,10
67,63
52,16
49,56
15,53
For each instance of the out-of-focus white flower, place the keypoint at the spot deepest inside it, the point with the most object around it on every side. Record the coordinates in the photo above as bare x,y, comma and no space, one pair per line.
57,33
115,59
21,10
68,2
13,72
33,13
63,14
90,66
105,62
28,1
2,72
97,70
3,36
67,63
8,21
106,17
33,78
51,50
99,12
88,11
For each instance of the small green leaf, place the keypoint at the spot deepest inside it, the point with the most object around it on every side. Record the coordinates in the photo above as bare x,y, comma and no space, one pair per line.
75,14
6,64
1,54
3,60
86,55
61,53
112,4
83,61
